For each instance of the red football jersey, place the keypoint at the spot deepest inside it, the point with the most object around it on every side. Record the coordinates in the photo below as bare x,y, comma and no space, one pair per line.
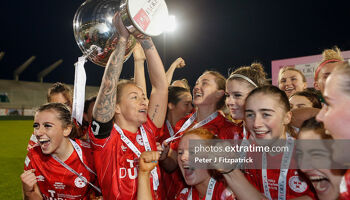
57,182
221,192
296,186
220,126
174,181
345,186
117,165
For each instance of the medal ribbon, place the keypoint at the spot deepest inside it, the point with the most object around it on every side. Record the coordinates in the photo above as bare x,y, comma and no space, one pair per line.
210,190
79,152
283,171
188,123
133,148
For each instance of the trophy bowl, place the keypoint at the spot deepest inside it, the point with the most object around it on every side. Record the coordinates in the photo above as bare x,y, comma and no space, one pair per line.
95,33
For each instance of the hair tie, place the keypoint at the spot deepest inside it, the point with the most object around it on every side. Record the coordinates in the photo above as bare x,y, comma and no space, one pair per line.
244,77
323,64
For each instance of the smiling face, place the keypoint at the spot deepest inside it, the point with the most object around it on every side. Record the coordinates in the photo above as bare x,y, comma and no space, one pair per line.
291,82
132,107
325,181
183,107
50,131
267,119
334,114
323,74
236,93
206,92
297,101
192,176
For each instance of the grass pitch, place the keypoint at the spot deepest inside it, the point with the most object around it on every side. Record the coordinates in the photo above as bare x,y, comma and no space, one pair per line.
14,137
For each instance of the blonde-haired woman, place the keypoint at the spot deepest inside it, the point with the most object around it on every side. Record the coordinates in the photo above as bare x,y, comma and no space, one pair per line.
330,58
291,80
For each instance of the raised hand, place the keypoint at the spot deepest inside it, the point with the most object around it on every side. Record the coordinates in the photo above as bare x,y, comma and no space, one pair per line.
118,23
148,161
28,179
163,149
178,63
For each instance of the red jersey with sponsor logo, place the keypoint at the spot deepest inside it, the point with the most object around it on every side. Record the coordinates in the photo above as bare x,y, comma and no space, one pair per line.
117,165
345,186
221,192
220,126
296,185
57,182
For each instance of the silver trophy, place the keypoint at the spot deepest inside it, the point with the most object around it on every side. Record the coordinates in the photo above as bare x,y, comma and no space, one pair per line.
96,35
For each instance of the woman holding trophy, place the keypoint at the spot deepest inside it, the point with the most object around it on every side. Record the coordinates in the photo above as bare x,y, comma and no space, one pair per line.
124,125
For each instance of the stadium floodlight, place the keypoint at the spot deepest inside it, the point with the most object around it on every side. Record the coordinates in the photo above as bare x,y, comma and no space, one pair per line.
49,69
169,24
22,67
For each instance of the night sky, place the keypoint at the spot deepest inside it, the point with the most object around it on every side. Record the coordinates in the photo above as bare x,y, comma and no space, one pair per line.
211,35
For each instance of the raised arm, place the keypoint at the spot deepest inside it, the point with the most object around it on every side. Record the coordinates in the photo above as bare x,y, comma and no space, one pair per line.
30,187
139,67
148,161
159,94
178,63
104,108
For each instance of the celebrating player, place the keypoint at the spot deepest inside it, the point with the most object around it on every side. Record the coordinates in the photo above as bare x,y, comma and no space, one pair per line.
208,98
335,116
124,125
315,160
267,122
238,85
291,80
59,93
330,58
179,105
59,167
202,183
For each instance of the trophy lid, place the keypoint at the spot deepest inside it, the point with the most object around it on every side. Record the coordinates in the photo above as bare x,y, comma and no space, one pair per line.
148,16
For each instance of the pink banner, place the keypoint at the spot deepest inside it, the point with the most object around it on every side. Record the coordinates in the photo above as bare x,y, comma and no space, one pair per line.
306,64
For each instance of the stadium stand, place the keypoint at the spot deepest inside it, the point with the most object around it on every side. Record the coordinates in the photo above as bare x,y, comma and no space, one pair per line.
21,97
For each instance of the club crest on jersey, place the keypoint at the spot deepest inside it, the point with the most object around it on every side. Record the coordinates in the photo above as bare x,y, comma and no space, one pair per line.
139,139
79,182
297,185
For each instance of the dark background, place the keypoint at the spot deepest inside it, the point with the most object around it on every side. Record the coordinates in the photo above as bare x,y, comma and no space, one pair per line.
211,35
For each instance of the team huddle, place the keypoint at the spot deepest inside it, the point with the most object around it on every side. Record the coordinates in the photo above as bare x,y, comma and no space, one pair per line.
137,146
